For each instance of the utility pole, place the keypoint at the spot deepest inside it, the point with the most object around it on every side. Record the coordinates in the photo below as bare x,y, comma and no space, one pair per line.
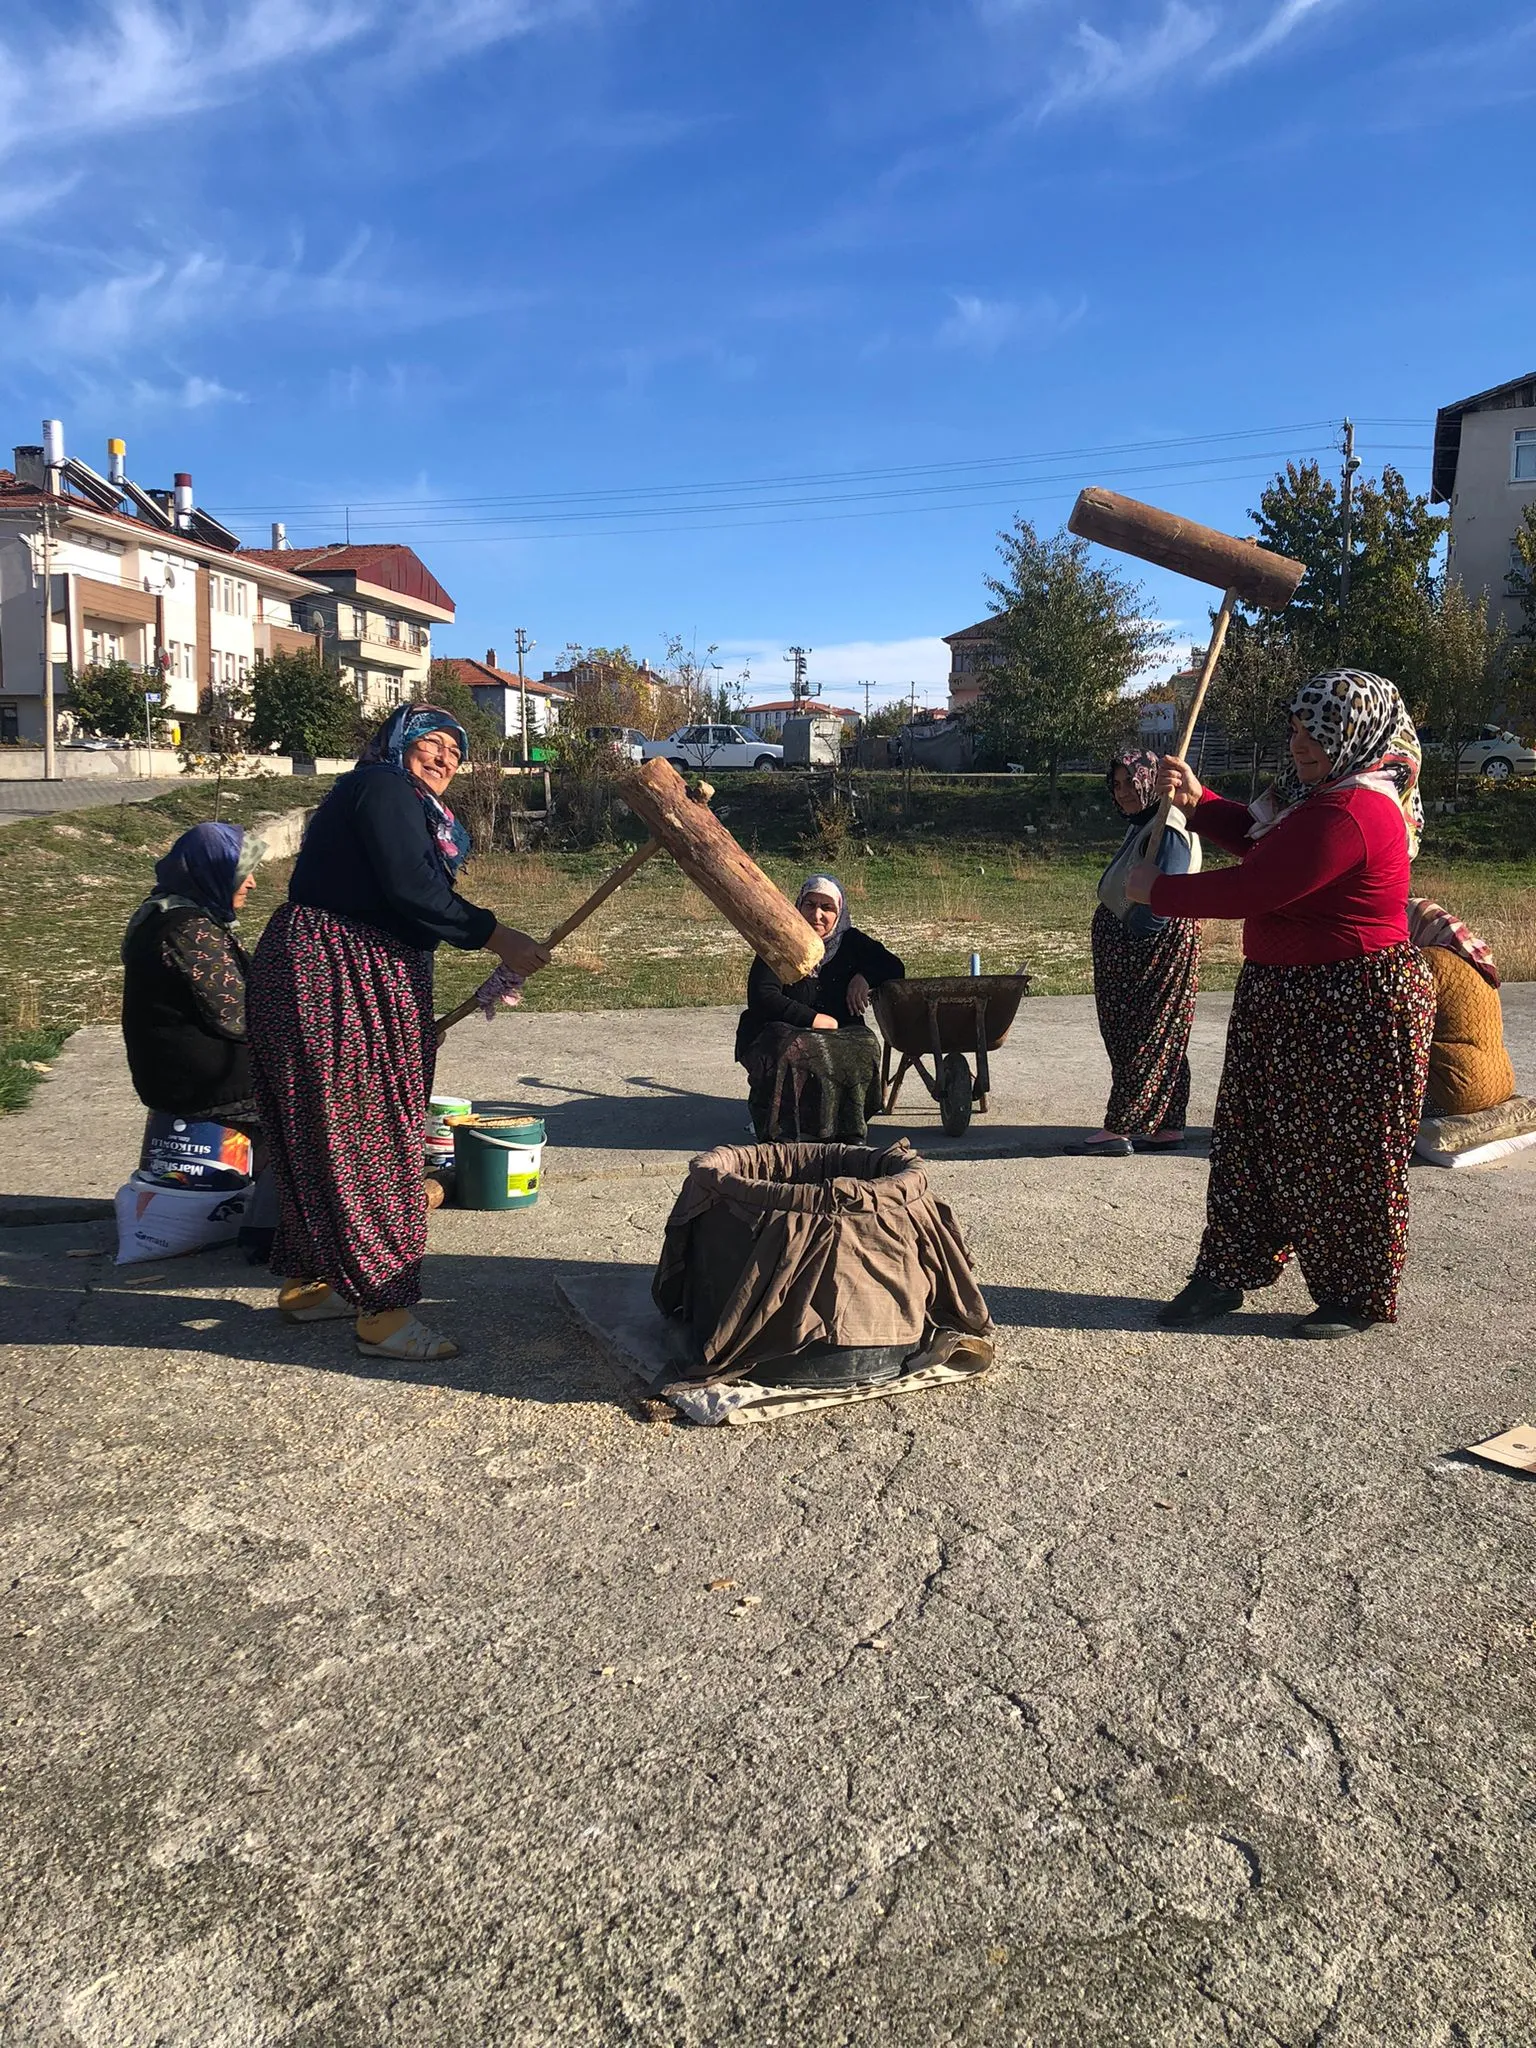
797,657
523,645
50,767
1346,521
867,688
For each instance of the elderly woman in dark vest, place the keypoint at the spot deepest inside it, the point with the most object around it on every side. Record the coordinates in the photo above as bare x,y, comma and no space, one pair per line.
184,975
341,1025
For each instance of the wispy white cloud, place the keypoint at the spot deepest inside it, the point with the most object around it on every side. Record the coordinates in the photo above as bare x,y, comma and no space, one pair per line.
122,314
1103,67
1278,28
123,65
191,394
983,325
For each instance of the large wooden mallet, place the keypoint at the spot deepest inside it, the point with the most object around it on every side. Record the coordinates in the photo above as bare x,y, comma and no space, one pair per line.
683,825
1243,571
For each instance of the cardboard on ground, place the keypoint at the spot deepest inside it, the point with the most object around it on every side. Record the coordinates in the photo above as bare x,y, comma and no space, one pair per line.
1516,1448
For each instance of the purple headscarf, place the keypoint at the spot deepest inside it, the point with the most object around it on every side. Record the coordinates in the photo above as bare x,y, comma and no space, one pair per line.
1141,765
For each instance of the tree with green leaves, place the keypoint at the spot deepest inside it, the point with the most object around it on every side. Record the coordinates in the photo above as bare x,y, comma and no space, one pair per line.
107,699
1394,535
1260,667
1521,581
1070,637
1461,670
300,705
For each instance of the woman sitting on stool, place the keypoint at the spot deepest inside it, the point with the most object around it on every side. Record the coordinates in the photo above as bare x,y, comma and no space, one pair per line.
833,998
1328,1046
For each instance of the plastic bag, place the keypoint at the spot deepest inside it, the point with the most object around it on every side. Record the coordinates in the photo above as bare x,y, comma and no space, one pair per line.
156,1222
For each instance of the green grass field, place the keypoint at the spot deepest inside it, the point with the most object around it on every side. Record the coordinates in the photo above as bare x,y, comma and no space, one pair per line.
932,895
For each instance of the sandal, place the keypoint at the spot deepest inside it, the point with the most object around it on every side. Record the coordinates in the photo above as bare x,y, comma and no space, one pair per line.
413,1340
318,1308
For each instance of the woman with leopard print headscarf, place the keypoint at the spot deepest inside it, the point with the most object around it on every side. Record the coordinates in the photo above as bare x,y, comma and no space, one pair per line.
1328,1047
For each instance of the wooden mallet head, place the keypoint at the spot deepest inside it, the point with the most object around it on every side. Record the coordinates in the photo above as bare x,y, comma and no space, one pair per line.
1254,574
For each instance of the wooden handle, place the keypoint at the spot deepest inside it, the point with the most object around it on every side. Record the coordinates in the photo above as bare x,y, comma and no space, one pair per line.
1155,830
563,930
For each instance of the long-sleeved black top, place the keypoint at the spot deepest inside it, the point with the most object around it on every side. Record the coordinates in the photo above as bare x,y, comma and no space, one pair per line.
825,992
369,854
184,1016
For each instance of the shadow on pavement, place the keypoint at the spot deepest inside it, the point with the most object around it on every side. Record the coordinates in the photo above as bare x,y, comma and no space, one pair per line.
1054,1308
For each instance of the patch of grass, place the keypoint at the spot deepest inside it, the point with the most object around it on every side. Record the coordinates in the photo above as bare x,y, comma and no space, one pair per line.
1024,899
24,1059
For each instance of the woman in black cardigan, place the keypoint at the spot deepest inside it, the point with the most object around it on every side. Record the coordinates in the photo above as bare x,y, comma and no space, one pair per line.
341,1028
834,998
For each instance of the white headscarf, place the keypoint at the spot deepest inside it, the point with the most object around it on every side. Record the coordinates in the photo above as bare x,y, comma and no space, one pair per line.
827,885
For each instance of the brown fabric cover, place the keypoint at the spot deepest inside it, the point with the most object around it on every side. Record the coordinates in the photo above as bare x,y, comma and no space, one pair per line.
1447,1137
1469,1070
851,1248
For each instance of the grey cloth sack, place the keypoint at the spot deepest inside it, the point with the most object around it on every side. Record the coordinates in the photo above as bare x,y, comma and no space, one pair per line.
1112,881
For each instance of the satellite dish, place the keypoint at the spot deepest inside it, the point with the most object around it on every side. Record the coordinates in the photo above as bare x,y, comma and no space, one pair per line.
316,622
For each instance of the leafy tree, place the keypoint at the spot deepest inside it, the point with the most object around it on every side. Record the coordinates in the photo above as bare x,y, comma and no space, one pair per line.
1260,667
1462,667
300,705
704,691
217,740
612,688
1070,638
1393,538
885,719
443,688
1521,582
108,699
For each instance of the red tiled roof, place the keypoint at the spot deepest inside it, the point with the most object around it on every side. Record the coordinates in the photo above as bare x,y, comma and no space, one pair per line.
479,674
809,707
389,563
984,629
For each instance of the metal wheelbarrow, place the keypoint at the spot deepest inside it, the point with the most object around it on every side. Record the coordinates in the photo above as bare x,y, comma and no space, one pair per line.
947,1017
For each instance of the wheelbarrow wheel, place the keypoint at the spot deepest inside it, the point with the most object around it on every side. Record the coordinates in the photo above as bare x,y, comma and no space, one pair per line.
954,1094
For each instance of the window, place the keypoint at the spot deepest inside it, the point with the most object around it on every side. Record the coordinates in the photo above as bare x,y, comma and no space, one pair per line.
419,638
1522,462
229,593
213,593
229,668
394,632
245,669
10,724
359,624
102,644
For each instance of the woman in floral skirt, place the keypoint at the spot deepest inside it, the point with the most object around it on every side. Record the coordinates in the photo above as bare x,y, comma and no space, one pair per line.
1146,970
1328,1047
340,1017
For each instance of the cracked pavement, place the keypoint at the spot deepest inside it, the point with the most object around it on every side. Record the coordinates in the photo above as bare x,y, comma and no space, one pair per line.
1157,1688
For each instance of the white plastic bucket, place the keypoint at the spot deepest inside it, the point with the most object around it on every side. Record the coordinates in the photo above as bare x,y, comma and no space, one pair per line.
439,1134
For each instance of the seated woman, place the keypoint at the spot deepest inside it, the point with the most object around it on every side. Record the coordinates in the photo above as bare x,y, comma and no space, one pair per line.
834,998
184,975
1469,1067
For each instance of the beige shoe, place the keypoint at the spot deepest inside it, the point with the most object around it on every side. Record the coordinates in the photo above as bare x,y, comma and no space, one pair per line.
413,1340
313,1301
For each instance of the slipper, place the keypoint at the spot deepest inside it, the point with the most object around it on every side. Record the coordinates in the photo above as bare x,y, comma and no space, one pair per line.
326,1308
1162,1142
1104,1148
413,1340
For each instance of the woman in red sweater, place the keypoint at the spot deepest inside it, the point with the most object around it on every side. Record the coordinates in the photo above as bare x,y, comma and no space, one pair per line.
1328,1046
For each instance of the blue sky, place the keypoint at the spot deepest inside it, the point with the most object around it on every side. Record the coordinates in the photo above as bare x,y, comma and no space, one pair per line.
753,322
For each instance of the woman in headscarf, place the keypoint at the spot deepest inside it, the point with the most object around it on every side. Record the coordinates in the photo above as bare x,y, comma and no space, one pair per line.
184,975
341,1023
833,998
1328,1046
1146,970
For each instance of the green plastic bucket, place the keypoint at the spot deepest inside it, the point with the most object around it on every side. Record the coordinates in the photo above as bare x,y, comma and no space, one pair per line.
498,1166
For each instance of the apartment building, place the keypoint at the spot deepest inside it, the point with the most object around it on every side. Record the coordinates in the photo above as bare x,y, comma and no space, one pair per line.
972,651
95,569
1485,470
376,608
764,718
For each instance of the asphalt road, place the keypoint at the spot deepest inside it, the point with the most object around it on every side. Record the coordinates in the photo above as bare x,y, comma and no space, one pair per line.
20,800
1157,1689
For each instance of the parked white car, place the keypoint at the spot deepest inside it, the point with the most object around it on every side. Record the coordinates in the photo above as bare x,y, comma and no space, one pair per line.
1495,752
628,744
714,746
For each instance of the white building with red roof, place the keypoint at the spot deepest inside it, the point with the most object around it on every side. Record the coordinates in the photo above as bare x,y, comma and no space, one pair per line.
378,605
94,569
501,693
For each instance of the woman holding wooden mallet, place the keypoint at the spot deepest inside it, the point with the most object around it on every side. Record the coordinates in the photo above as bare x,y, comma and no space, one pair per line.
1328,1046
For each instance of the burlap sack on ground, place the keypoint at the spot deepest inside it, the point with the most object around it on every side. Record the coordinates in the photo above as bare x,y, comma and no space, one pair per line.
849,1247
1469,1069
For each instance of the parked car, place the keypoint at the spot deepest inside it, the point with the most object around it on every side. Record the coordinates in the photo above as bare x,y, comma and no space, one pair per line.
714,746
95,746
625,741
1496,753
